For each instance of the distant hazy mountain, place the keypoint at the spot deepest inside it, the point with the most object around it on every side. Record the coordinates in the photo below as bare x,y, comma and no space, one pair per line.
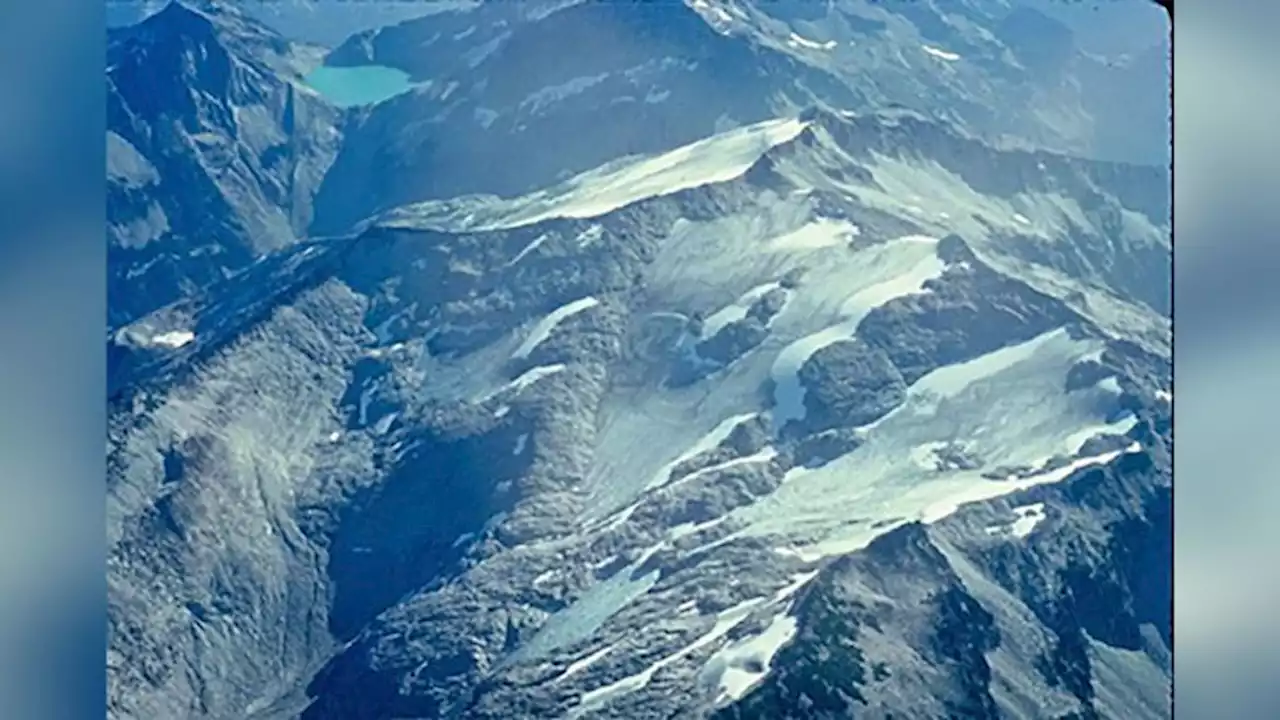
722,360
326,22
501,108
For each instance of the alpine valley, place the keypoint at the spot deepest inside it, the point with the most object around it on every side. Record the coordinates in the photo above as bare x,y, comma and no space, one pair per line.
719,359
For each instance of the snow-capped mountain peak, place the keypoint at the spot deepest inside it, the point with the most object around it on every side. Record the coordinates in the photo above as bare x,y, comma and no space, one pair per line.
705,379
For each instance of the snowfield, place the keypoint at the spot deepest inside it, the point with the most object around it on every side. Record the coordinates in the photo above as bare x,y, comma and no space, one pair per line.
1010,407
717,159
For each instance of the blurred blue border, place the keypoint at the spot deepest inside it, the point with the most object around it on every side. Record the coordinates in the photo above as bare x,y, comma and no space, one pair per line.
1227,290
1227,359
52,305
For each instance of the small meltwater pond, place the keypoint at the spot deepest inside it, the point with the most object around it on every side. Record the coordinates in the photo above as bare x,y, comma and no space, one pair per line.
358,85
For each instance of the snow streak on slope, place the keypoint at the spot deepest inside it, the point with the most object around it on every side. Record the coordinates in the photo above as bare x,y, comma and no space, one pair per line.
941,54
704,443
1028,517
725,621
716,159
821,233
662,476
543,329
803,42
902,269
1009,407
739,665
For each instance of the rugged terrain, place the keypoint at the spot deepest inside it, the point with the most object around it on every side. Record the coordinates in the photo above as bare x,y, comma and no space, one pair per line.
779,398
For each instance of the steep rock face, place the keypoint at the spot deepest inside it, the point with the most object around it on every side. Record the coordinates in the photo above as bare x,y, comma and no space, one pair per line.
214,152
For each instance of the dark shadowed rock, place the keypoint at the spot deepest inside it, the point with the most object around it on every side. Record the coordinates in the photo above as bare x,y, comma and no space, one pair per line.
849,383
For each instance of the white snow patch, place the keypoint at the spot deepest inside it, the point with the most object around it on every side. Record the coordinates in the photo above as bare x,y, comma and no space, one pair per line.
1076,440
533,375
485,117
335,436
655,96
993,489
718,14
172,339
662,477
822,233
521,442
542,330
740,665
795,40
687,529
590,611
581,664
383,330
940,54
1019,217
716,159
384,423
533,245
905,266
952,380
526,379
536,102
763,456
1111,385
926,455
1028,516
590,235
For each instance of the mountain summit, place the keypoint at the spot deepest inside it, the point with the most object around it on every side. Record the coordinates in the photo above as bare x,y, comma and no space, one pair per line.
214,151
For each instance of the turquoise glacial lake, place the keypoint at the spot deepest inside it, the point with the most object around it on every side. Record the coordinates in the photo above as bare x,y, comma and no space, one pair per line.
359,85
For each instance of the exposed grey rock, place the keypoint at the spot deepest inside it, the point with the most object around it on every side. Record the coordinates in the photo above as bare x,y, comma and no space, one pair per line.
822,447
733,340
849,383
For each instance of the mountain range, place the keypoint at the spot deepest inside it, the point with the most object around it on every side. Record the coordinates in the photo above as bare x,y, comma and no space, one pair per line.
720,359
